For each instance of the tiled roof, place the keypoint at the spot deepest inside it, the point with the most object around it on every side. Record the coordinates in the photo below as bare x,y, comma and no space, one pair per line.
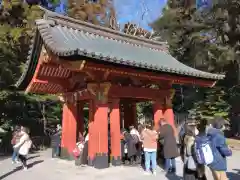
68,37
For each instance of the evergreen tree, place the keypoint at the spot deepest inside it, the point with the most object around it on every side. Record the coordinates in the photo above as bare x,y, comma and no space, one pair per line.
97,12
204,36
214,102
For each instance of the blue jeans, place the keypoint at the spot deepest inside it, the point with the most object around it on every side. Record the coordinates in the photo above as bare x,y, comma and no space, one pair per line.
14,155
55,151
170,164
150,157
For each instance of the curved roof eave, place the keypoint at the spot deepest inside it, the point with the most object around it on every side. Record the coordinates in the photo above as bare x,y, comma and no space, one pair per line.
31,63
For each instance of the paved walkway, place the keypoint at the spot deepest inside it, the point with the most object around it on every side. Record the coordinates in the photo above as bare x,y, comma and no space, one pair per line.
42,167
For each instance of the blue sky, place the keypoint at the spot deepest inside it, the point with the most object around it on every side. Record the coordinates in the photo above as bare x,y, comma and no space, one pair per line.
133,11
141,12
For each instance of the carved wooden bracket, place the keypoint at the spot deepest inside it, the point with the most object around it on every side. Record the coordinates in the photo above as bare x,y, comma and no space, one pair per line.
74,65
99,90
69,98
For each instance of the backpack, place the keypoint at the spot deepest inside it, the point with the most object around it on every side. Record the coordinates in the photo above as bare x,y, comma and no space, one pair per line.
203,150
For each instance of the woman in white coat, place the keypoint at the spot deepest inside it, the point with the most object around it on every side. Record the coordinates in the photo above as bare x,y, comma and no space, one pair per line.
23,146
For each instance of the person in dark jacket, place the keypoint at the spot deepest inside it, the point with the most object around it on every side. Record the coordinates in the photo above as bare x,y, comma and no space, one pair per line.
170,149
131,147
192,170
220,149
56,143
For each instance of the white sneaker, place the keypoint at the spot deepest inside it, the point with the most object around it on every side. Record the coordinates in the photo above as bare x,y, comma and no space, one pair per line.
25,168
13,162
154,173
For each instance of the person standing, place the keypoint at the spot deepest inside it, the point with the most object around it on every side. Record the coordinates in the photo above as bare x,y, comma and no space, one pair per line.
149,138
220,149
130,147
15,139
170,149
56,142
192,170
136,136
23,146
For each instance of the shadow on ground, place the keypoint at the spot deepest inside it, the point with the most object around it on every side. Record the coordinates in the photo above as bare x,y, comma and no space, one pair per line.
172,176
234,175
20,168
32,157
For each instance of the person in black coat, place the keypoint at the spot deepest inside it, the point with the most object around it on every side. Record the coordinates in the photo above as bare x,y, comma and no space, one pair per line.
170,148
131,146
56,143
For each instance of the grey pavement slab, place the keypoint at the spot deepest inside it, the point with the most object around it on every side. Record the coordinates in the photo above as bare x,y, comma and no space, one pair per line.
42,167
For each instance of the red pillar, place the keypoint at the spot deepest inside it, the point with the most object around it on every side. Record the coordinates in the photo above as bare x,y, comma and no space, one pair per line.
101,133
168,113
64,142
91,133
157,113
115,133
69,129
169,116
72,134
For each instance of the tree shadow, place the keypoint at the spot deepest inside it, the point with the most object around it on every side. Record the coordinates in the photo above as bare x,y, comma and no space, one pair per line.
19,168
234,175
32,157
173,176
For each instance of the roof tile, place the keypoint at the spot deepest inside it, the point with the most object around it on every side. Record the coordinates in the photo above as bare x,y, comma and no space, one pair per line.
66,40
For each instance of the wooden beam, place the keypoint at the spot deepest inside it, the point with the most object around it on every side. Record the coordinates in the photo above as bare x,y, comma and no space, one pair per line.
150,76
115,91
136,92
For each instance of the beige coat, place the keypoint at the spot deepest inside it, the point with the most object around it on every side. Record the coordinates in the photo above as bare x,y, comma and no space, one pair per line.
149,139
23,145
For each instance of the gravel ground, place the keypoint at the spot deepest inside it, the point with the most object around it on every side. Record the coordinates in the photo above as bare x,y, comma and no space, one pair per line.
42,167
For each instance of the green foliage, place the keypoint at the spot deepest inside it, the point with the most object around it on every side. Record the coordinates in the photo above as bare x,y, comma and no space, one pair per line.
17,26
214,102
27,110
16,108
206,39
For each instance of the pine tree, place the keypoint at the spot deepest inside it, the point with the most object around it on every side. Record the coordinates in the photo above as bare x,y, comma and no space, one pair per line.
97,12
214,103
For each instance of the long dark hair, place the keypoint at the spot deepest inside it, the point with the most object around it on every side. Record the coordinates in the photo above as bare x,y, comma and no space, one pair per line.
190,130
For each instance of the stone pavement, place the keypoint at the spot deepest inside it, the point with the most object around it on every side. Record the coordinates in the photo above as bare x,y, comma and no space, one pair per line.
42,167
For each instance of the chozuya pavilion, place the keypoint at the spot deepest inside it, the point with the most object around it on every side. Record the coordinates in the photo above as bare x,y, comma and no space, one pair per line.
111,72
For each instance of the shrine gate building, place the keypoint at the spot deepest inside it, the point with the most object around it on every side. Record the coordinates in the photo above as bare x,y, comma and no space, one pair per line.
111,72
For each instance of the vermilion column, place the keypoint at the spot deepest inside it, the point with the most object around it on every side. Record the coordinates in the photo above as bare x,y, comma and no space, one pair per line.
72,131
91,133
157,113
64,139
101,133
69,129
115,133
168,112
